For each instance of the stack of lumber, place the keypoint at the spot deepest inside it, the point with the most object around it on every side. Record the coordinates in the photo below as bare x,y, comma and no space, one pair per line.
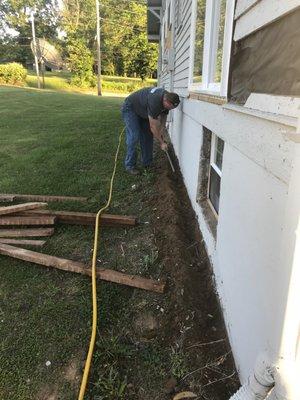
27,215
21,224
18,225
4,197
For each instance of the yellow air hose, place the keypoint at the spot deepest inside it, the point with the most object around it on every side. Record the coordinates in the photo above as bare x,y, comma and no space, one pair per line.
94,284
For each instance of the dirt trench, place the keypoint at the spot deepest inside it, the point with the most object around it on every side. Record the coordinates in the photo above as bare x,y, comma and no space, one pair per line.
193,320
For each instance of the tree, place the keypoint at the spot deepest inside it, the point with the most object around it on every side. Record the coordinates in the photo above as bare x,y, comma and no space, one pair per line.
79,24
15,29
124,46
124,38
80,62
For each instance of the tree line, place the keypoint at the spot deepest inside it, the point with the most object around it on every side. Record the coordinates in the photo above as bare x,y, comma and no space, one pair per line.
70,25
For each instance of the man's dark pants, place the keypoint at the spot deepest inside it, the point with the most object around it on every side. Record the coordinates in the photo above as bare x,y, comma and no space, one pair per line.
137,130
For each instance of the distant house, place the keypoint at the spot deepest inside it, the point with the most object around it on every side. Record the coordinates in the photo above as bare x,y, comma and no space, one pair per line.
236,66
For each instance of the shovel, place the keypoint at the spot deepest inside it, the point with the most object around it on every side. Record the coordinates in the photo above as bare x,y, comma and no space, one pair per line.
169,159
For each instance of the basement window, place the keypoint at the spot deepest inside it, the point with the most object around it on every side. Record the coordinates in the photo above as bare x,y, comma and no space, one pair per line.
215,172
209,178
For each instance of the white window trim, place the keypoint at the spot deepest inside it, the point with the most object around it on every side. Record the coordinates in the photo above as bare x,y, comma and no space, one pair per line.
212,164
213,154
209,52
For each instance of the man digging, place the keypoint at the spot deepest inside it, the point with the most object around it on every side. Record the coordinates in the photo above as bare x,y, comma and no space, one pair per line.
145,113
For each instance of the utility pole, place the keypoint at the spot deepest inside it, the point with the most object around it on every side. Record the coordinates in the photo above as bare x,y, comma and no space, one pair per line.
35,50
98,50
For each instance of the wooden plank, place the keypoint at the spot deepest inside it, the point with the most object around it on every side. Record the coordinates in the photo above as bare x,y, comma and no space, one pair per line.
6,198
81,268
84,218
21,242
21,207
34,220
37,197
9,233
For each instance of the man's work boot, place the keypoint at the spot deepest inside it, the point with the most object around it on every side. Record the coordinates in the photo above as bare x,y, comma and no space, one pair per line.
132,171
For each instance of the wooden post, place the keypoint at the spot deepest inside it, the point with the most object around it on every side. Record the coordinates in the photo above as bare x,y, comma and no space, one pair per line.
98,50
43,72
35,220
80,268
21,207
83,218
10,233
38,197
35,50
22,242
7,198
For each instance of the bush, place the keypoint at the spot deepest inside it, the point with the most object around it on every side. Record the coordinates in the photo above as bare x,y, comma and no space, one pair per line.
80,64
123,87
12,73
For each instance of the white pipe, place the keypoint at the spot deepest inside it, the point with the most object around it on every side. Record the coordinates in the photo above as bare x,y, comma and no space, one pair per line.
246,393
286,382
260,382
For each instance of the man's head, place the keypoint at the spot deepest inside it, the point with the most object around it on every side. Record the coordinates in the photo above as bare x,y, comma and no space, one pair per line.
170,100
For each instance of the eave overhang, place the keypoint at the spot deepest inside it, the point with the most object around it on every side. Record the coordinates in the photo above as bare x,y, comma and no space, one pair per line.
153,20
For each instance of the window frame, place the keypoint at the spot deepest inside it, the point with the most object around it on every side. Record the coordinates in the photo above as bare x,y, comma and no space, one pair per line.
212,16
212,164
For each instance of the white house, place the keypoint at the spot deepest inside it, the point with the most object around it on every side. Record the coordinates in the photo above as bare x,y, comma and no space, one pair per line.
236,66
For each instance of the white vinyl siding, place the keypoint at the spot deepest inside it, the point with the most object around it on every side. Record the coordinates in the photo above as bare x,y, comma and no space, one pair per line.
164,80
182,49
243,6
252,15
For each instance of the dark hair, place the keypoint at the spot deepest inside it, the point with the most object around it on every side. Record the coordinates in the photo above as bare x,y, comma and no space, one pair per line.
172,98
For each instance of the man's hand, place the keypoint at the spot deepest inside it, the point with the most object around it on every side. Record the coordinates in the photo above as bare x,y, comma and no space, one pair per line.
164,146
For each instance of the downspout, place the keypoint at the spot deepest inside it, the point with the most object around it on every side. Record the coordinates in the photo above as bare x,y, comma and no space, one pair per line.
280,379
259,383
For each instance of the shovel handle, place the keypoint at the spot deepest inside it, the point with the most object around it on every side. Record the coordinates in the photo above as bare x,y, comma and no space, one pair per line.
170,161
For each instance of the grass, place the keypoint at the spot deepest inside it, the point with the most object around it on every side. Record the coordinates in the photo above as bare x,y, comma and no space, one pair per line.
60,80
64,144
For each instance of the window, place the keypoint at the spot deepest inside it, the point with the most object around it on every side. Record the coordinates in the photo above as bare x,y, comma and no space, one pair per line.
209,178
220,42
199,41
211,43
215,172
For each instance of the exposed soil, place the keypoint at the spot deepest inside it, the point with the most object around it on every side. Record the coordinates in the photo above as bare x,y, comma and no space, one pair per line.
149,346
192,321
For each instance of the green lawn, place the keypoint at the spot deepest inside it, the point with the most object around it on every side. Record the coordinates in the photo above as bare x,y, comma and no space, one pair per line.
57,143
64,144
